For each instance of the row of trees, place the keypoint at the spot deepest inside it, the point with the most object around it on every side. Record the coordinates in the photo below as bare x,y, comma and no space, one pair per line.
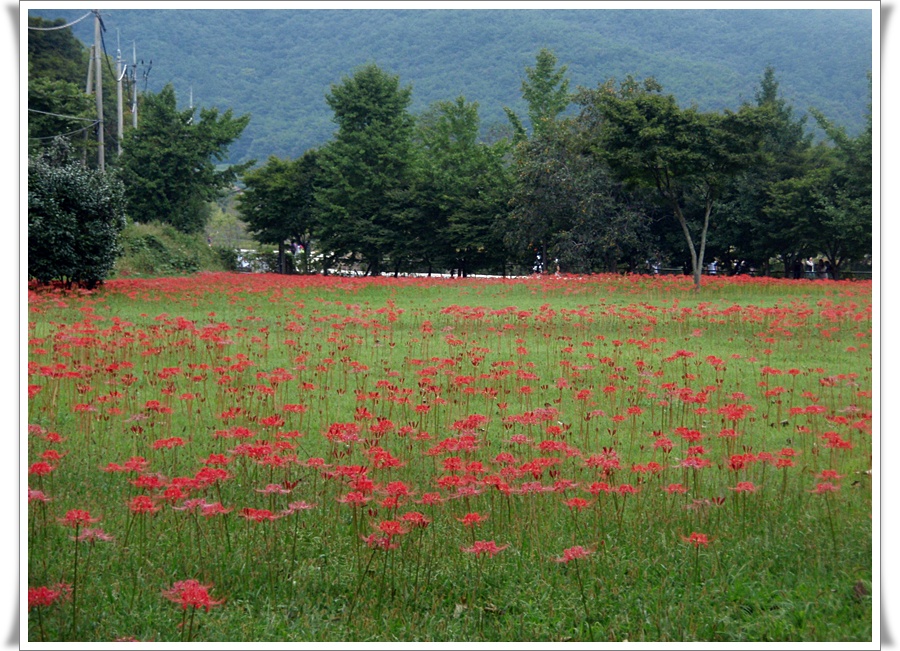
630,176
606,178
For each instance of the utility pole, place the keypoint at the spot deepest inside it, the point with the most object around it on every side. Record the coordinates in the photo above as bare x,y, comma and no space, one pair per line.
101,162
120,126
87,91
134,84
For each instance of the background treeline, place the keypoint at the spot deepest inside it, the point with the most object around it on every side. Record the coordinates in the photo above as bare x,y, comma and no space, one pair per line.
277,64
613,176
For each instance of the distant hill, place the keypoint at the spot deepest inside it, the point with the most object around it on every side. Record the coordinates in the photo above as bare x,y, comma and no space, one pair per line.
278,64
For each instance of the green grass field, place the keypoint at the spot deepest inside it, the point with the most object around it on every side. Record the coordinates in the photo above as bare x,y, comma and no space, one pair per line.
249,458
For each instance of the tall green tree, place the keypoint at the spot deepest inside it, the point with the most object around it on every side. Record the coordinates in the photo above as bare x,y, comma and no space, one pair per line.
546,90
57,102
686,155
748,230
278,202
568,208
365,170
75,215
169,163
461,190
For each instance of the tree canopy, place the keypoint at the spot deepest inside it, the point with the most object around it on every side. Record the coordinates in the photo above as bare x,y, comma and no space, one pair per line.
169,165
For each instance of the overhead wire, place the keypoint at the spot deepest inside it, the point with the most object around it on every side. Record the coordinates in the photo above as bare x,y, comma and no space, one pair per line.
68,133
57,115
49,29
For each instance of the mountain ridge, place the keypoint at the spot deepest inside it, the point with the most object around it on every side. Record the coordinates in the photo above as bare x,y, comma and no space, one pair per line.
278,64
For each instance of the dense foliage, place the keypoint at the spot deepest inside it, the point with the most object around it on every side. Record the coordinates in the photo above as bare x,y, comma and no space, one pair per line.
75,215
620,176
169,163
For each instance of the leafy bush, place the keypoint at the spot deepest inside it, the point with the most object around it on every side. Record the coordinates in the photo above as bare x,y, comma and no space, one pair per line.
156,249
75,215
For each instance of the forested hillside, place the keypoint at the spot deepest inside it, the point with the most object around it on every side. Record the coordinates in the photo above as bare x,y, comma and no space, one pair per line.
278,65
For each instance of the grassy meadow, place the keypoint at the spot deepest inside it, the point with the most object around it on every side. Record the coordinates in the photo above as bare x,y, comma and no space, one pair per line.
249,458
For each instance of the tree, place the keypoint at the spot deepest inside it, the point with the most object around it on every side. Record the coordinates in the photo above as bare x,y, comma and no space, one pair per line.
365,169
75,215
567,207
168,163
687,156
57,102
748,229
461,190
278,203
847,227
546,89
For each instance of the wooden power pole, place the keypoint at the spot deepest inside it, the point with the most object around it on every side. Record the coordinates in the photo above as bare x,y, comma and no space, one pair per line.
98,92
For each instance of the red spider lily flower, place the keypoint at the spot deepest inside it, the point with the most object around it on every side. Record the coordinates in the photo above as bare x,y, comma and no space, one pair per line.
37,496
830,474
577,503
374,541
47,596
174,493
191,505
92,535
488,547
472,519
271,421
599,487
573,554
53,455
626,489
77,518
149,482
209,510
273,489
136,464
397,489
392,528
41,469
142,504
672,489
363,485
354,498
825,487
293,507
259,515
562,485
415,519
430,498
664,443
696,539
167,444
191,594
208,476
696,463
745,487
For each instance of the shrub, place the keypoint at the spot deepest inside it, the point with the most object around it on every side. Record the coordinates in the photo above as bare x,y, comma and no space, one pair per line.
75,216
156,249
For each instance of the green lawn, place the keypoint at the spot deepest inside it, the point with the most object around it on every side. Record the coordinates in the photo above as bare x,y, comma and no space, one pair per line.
600,458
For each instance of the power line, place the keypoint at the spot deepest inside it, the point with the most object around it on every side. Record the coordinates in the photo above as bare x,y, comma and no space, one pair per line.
57,115
49,29
68,133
